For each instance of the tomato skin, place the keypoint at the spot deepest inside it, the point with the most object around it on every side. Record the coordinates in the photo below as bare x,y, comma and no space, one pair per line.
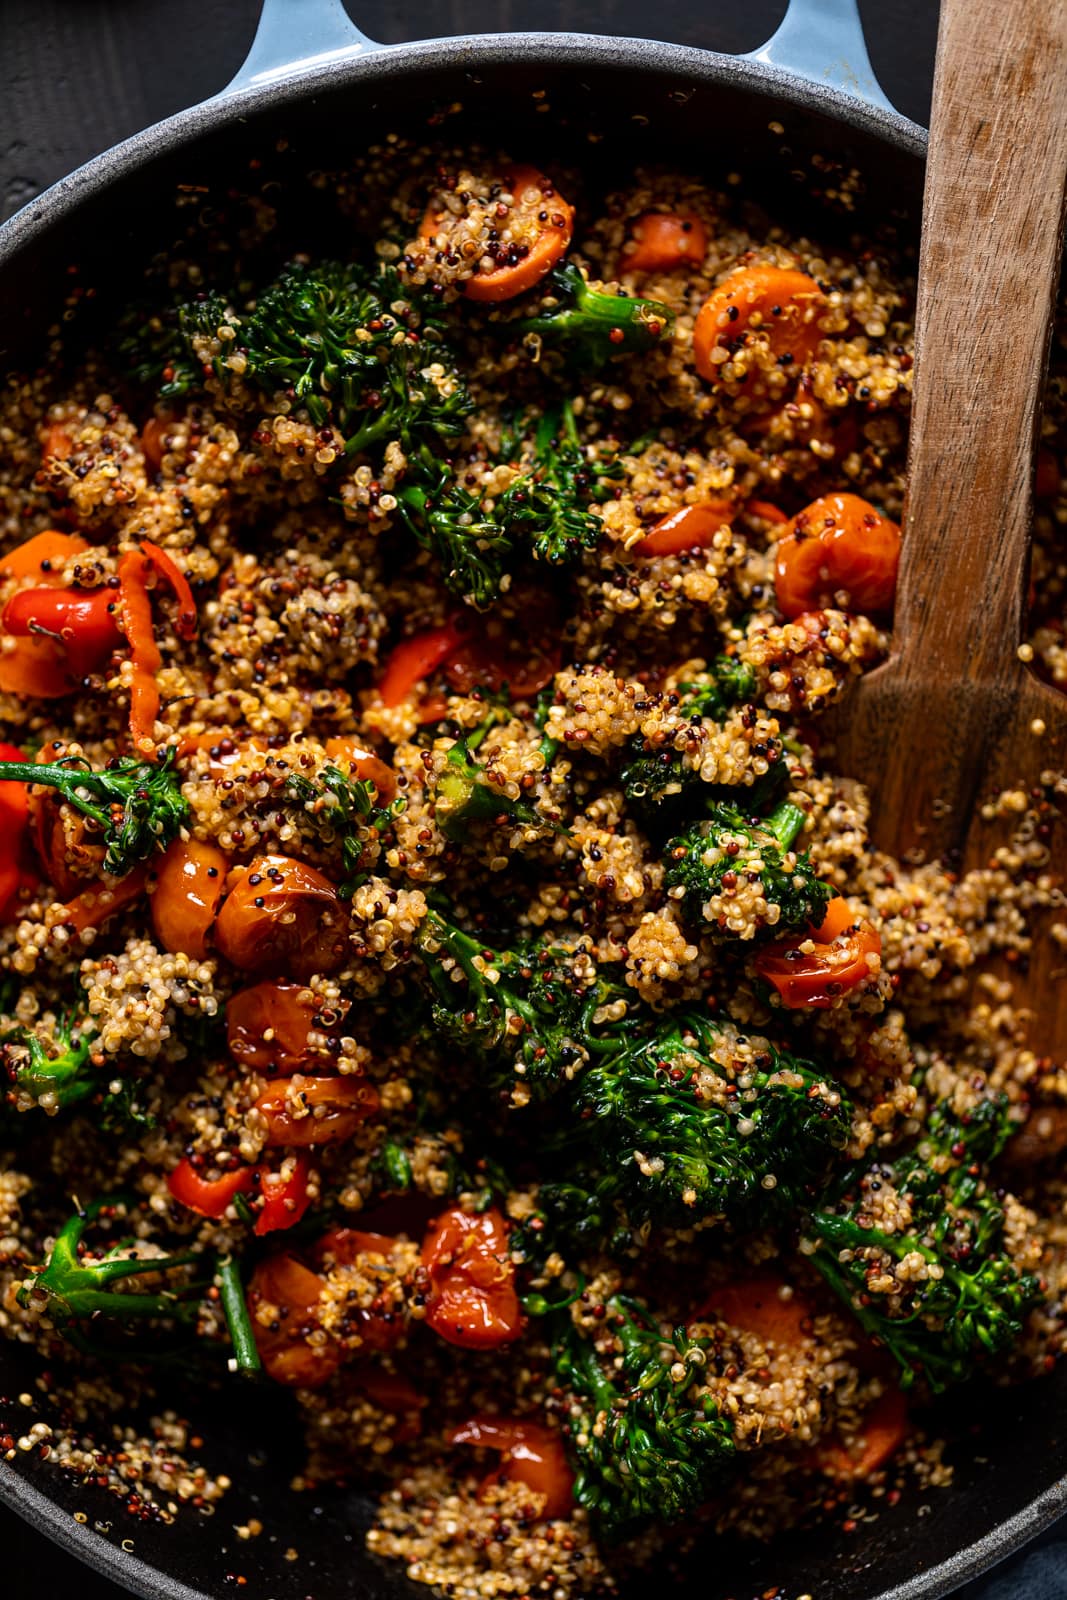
93,907
36,668
510,279
42,557
755,1304
338,1106
208,1197
883,1429
779,297
516,650
817,979
662,241
285,1010
394,1393
284,1282
382,1324
472,1300
84,618
356,761
416,658
690,528
531,1454
190,880
285,1195
282,916
838,542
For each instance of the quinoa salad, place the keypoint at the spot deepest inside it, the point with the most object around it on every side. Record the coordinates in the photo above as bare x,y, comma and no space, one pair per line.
442,974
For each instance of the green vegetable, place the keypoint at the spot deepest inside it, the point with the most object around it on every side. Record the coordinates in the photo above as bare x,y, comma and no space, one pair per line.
137,805
238,1321
644,1446
733,850
960,1300
331,806
348,342
462,797
64,1078
546,510
592,324
474,551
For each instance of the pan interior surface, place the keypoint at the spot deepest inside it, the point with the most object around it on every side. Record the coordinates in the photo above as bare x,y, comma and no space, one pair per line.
603,106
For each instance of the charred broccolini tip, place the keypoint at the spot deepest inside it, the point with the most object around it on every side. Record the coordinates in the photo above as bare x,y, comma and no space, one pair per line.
334,806
643,1443
138,805
941,1292
75,1290
592,324
547,509
716,864
348,341
679,1131
659,783
533,1008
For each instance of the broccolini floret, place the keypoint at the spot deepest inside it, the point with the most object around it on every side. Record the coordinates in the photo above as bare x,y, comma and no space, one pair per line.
462,797
740,873
474,550
546,510
138,805
59,1079
916,1248
347,341
592,324
643,1444
334,807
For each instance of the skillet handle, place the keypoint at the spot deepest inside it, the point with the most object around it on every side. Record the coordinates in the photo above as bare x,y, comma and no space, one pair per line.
293,34
822,42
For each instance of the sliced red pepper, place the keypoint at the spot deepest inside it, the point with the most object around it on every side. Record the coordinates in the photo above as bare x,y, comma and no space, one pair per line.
285,1195
144,652
208,1197
185,623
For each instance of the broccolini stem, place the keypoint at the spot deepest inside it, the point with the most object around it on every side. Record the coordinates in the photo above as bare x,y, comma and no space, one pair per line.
238,1321
784,823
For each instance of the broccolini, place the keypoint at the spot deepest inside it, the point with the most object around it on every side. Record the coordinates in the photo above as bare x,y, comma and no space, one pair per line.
592,324
740,872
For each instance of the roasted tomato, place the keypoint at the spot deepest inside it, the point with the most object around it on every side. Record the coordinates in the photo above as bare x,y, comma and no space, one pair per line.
530,1454
190,879
268,1027
208,1197
282,916
838,543
293,1292
310,1111
382,1324
472,1299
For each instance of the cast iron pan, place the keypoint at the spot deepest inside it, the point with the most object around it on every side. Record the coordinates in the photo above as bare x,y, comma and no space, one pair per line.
319,89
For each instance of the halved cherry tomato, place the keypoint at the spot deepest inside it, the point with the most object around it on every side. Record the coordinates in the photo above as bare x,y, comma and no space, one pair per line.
33,667
190,879
519,266
282,915
93,907
311,1111
661,241
283,1282
756,1305
766,509
208,1197
819,977
689,528
882,1431
472,1300
778,303
267,1026
341,1246
516,648
79,622
14,833
285,1195
531,1454
356,760
837,920
415,659
838,542
381,1324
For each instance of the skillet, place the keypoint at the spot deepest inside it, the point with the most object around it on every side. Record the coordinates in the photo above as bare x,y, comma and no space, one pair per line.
314,83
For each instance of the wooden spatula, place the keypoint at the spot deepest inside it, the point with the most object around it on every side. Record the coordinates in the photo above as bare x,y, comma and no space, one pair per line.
955,716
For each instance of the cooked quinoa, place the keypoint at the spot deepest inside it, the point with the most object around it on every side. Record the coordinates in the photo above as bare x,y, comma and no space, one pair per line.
438,917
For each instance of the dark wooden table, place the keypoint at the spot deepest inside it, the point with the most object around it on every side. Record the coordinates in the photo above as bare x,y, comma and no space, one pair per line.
76,76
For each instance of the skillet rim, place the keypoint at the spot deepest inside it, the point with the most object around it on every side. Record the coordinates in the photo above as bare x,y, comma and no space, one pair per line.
80,187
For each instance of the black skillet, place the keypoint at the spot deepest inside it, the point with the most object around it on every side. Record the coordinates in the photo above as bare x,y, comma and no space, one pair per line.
312,88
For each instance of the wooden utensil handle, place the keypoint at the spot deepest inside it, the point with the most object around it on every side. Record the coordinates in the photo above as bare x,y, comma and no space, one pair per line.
1000,109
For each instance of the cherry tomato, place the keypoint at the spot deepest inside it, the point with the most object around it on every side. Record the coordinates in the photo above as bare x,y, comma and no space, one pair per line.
690,528
284,1283
519,266
531,1454
516,648
393,1393
154,441
267,1027
356,761
93,907
778,304
311,1111
382,1324
282,916
816,979
285,1195
81,623
190,879
838,542
837,920
66,850
472,1300
766,510
883,1429
33,667
756,1305
208,1197
662,241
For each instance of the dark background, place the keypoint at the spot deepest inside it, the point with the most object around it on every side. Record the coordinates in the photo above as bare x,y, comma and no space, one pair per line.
79,75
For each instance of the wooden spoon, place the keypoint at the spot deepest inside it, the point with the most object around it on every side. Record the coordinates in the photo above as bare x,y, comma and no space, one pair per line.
954,716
